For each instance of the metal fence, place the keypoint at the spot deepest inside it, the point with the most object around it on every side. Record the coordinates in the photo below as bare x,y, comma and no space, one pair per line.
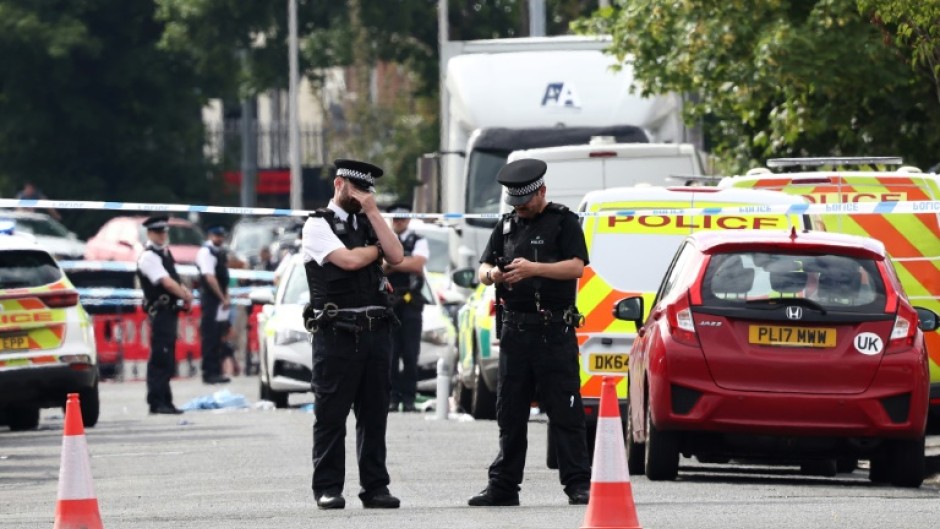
224,144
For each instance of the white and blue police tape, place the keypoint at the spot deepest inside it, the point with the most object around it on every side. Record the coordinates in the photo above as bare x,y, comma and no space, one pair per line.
850,208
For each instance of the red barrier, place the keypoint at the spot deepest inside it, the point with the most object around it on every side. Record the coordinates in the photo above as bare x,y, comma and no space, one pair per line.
127,335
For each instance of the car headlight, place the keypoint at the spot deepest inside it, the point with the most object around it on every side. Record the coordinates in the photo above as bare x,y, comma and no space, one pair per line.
287,337
437,336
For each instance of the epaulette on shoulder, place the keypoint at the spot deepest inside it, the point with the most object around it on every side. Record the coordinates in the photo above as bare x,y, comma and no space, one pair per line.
321,213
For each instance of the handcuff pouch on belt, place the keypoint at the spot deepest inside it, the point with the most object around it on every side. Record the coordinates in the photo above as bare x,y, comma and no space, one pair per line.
354,322
164,301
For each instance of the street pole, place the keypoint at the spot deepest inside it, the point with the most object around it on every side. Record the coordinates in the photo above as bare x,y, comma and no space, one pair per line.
296,182
536,18
249,154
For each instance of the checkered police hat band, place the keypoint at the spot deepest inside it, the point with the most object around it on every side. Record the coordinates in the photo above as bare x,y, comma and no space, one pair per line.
525,190
349,173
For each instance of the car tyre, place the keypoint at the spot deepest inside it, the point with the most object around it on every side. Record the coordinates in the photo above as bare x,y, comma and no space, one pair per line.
819,467
483,405
846,464
907,462
636,452
879,469
264,392
279,398
463,396
662,452
22,418
89,403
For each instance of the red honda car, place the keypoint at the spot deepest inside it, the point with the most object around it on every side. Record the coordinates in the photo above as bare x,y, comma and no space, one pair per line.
124,238
797,348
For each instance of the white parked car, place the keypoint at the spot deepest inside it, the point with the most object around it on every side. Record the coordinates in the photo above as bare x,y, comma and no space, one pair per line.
48,232
285,345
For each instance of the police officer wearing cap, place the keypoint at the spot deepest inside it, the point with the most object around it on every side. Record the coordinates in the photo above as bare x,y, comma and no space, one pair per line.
350,318
535,256
164,298
212,262
407,279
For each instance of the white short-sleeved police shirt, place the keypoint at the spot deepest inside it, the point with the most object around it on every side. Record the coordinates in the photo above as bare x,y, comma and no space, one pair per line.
318,238
421,248
206,261
151,265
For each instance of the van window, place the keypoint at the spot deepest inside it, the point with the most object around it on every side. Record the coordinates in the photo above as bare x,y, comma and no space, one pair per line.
633,262
483,191
838,283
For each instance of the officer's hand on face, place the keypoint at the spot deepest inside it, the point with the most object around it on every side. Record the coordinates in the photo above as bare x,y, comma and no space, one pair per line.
518,270
365,198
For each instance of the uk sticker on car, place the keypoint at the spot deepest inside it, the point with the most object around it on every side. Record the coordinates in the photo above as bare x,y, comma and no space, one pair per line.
868,343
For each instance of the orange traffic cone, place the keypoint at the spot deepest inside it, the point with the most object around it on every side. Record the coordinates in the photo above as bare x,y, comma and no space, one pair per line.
611,505
77,507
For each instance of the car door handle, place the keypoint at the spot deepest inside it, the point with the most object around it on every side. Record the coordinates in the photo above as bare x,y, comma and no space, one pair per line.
641,332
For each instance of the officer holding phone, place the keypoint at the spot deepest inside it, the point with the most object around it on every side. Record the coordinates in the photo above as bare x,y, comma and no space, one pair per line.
535,256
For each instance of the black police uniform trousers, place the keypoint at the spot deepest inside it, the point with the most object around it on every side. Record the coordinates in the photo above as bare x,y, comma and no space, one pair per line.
210,333
406,346
161,366
350,370
539,360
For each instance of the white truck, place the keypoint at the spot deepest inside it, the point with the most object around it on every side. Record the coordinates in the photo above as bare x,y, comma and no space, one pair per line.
504,95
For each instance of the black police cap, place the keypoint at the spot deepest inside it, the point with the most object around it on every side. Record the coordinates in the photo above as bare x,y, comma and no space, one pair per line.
157,223
398,208
522,178
360,174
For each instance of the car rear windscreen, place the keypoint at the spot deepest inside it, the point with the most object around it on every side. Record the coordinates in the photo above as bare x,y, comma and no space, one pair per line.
836,282
27,269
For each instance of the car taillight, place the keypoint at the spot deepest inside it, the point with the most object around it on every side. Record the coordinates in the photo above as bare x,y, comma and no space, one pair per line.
681,326
903,332
60,300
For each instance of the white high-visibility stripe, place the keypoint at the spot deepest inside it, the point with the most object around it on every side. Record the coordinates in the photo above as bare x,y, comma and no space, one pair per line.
610,459
75,470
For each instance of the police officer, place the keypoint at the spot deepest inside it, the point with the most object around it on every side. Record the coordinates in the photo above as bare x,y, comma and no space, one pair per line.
164,298
535,256
407,279
212,262
349,315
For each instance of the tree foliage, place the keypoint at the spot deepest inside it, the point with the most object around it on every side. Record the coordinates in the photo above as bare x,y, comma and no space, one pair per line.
90,109
776,77
915,27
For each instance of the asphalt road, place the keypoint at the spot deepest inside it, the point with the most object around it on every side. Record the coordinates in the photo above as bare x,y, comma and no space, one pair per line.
251,468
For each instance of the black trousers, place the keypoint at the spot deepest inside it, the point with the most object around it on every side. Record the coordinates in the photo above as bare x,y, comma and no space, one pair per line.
162,362
539,361
406,346
210,332
350,371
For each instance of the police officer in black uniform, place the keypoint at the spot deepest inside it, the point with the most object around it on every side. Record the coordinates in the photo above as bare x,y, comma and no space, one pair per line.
407,279
349,316
535,256
212,262
164,298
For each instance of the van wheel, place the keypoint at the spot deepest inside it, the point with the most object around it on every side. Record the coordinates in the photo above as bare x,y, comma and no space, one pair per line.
662,452
907,462
636,452
483,404
551,456
21,418
90,405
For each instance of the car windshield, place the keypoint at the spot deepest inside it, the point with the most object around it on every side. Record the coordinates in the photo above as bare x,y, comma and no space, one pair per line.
296,291
439,259
834,282
249,238
185,235
41,227
27,268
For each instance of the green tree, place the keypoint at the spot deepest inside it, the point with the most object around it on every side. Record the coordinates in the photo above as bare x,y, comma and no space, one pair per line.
777,77
91,109
915,27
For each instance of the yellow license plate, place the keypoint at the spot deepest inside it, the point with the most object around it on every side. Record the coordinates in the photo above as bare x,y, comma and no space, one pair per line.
608,363
14,342
792,336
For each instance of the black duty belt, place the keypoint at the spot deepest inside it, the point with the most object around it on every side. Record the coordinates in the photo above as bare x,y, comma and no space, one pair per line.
349,320
544,317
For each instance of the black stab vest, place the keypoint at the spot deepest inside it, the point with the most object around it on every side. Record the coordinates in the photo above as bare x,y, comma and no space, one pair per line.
404,282
221,272
153,291
329,283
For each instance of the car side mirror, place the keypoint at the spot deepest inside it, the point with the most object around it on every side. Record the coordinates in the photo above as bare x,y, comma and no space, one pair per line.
929,321
630,309
261,296
465,277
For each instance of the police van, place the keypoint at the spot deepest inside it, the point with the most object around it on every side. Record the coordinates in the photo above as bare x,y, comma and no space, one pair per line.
629,254
912,240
